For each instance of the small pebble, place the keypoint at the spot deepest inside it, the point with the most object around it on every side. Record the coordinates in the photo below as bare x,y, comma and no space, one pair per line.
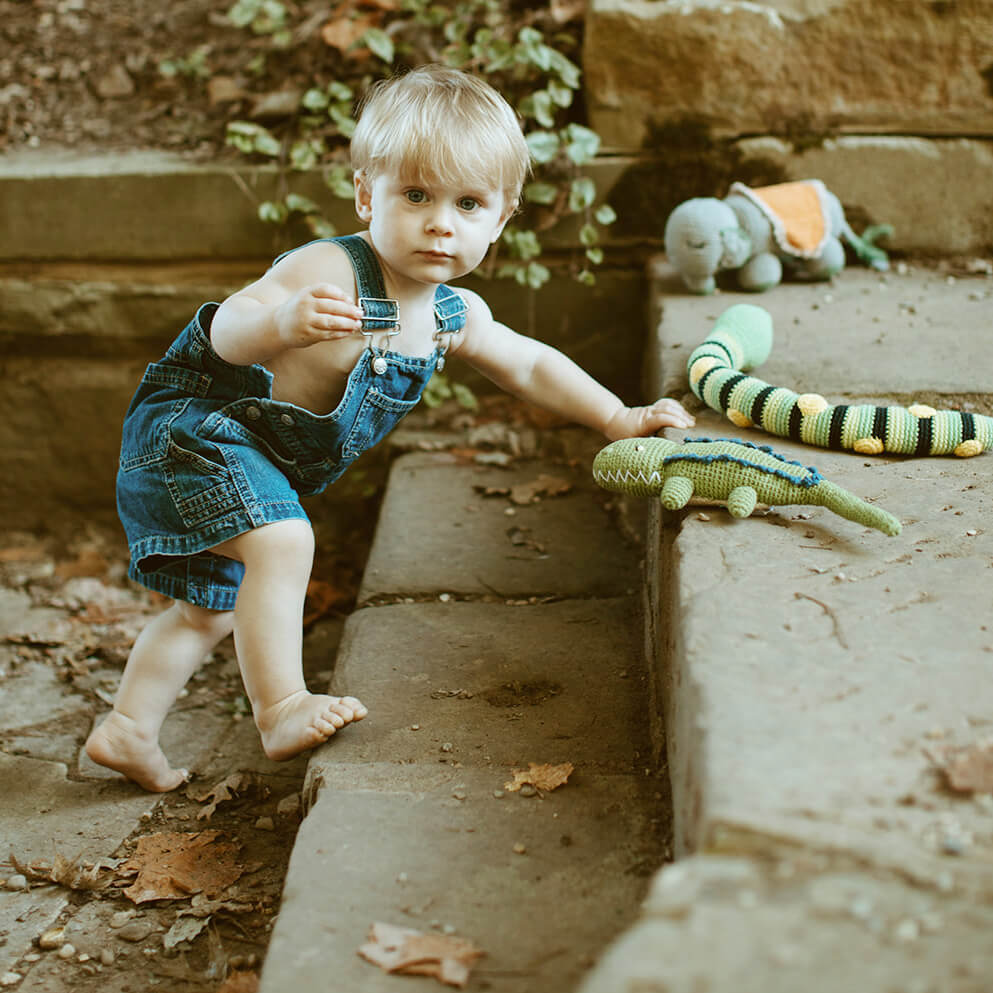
10,979
519,849
67,951
55,938
447,746
907,931
498,794
459,794
527,790
106,956
415,727
17,882
31,957
121,918
265,824
82,957
445,597
135,931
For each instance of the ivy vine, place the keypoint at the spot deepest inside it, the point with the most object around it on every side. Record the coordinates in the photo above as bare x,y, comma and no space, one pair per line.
525,50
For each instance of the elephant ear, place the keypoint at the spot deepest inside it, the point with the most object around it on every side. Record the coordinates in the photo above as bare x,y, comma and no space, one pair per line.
737,247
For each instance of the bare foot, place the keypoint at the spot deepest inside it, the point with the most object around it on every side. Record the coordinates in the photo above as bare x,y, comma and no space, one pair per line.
303,720
119,745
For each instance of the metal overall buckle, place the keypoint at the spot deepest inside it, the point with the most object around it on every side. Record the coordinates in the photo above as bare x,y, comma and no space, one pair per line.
380,315
444,334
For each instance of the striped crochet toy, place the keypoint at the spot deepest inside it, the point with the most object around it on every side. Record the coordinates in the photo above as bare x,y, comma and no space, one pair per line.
742,339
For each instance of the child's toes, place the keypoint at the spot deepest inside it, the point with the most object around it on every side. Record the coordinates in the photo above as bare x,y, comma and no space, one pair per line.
358,711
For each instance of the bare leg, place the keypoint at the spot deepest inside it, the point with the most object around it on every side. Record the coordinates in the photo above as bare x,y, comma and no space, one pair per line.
268,635
165,655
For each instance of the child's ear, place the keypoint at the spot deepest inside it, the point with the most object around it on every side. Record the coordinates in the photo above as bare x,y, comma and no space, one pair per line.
507,214
363,196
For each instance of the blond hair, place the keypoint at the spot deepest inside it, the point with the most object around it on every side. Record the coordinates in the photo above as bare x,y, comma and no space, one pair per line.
441,124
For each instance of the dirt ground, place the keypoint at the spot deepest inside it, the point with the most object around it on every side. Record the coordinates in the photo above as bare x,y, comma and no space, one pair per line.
246,808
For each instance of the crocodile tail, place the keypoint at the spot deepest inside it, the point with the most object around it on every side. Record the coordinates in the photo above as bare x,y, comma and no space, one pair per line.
849,506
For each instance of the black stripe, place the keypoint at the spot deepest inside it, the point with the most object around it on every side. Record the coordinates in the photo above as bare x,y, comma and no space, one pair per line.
924,432
879,424
724,349
728,387
758,404
837,422
703,379
796,419
968,426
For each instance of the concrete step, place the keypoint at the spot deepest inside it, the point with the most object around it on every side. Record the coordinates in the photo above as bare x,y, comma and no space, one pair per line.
409,822
813,672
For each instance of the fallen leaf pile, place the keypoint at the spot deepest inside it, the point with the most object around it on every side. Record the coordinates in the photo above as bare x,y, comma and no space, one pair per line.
407,952
544,777
967,768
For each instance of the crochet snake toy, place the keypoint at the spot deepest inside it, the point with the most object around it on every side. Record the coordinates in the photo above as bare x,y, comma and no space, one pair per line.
735,472
742,339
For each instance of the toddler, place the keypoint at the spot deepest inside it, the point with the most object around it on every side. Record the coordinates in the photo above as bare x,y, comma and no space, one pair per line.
270,396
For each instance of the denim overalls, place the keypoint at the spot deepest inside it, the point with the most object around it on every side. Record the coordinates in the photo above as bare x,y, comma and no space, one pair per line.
207,454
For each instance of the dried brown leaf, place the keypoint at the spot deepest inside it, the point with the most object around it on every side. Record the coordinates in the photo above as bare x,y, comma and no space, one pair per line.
542,777
564,11
405,951
240,982
543,486
226,790
343,32
65,872
967,768
173,866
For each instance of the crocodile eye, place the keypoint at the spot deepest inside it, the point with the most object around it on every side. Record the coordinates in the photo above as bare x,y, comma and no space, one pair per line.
639,448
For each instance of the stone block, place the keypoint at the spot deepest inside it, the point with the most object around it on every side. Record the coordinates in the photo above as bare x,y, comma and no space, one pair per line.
789,66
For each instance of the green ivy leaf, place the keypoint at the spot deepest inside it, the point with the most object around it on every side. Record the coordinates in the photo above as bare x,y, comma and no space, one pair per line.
544,145
314,99
541,192
305,154
320,227
339,91
465,397
581,144
595,255
581,194
522,244
605,214
252,138
380,44
588,235
586,278
338,179
537,275
539,106
296,202
272,212
561,95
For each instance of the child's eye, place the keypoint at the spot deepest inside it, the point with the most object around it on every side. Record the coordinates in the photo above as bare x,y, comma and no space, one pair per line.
468,203
416,196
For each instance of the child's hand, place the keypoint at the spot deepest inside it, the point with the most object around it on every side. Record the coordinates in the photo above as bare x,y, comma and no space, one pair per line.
322,312
640,422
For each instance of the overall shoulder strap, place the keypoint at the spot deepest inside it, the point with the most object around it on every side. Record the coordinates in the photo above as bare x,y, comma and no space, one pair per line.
381,314
449,310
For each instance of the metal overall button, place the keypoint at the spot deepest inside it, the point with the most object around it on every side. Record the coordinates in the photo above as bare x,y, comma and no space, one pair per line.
287,420
253,413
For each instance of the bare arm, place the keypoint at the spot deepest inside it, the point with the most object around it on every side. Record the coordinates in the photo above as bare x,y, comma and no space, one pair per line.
292,306
542,375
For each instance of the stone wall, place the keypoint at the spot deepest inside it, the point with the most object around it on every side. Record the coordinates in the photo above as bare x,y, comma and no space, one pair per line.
889,102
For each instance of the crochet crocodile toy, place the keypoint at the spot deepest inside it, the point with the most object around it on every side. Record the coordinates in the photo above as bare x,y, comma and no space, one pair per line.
742,339
738,473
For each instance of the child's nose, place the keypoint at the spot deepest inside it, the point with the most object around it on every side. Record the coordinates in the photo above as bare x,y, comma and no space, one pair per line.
440,220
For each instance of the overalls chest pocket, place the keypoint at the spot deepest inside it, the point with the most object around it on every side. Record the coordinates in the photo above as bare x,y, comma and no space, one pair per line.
377,415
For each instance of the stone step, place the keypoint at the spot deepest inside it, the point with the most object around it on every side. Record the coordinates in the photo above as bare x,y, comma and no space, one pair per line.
813,673
409,821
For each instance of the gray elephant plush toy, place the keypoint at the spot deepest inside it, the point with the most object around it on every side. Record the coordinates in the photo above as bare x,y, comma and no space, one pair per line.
796,228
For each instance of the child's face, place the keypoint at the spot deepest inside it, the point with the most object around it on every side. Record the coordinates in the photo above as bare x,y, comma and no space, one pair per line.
428,231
